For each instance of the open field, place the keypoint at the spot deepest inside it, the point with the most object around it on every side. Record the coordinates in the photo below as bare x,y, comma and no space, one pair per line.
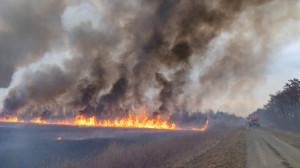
24,145
213,148
229,152
31,145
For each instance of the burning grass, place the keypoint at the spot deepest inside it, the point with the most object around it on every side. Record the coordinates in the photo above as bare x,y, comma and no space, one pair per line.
11,119
127,122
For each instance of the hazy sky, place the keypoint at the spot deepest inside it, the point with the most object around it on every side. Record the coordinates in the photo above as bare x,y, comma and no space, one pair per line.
285,65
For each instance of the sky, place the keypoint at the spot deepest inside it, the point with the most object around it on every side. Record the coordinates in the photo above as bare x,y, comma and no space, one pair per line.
285,65
105,58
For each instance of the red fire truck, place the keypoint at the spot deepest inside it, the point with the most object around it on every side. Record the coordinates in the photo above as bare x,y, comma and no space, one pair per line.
253,120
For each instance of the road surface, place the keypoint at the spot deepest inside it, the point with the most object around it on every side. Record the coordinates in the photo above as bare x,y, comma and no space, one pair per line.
265,150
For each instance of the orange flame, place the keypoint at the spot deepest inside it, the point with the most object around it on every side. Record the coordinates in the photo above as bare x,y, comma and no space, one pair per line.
129,122
38,121
201,129
11,119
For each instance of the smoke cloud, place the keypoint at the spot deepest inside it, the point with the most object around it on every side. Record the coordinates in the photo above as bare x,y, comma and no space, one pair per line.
108,58
27,31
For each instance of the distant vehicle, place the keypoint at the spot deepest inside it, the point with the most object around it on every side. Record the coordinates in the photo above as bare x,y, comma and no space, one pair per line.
253,121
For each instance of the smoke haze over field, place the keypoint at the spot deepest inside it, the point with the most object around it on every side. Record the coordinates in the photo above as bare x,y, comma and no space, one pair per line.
107,58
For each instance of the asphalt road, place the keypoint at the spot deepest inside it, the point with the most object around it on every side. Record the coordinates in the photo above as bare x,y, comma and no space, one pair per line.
265,150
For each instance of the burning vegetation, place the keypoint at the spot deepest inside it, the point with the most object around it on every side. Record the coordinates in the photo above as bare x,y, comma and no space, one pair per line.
128,122
11,119
201,129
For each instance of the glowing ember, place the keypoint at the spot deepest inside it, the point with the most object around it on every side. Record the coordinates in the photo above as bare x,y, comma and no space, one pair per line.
201,129
59,138
128,122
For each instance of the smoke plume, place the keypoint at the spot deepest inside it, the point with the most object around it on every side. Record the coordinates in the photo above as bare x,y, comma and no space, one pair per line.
109,58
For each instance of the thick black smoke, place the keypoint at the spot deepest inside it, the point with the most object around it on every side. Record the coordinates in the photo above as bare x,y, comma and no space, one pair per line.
28,29
129,55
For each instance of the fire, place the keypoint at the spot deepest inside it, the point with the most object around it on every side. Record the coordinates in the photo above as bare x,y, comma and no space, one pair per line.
59,138
11,119
201,129
131,121
82,121
38,121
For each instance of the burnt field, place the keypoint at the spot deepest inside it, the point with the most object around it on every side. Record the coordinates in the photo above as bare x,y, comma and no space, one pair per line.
24,144
33,145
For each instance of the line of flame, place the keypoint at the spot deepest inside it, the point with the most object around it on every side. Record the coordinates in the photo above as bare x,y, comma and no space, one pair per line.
203,128
11,119
129,122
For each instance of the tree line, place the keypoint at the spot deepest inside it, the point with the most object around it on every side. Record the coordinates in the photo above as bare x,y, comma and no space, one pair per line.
283,107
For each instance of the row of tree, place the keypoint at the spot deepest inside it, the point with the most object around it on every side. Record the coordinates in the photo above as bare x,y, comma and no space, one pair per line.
187,118
283,107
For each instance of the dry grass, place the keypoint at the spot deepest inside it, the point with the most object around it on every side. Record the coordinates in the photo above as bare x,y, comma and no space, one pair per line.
166,153
229,153
286,136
